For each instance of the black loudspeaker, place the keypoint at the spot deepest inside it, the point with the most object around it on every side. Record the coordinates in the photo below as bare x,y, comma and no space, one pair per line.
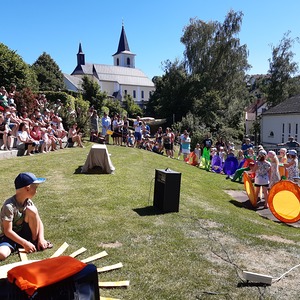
167,190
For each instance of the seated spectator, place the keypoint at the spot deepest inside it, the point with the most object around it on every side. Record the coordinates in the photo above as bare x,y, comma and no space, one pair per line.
74,136
36,135
4,133
25,119
130,139
24,140
52,138
58,134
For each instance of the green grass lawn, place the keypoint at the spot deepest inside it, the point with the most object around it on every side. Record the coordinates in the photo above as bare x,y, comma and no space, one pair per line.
198,253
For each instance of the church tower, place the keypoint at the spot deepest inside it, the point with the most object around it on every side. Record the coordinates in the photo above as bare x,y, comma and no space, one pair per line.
123,57
80,56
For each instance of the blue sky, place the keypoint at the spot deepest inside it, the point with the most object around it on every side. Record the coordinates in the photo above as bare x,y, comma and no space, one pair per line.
153,29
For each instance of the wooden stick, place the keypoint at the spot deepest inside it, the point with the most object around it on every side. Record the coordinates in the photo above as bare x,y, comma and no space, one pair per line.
60,250
94,257
22,254
109,268
113,283
105,298
81,250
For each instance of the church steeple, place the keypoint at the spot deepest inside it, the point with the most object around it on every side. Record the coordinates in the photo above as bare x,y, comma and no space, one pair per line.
80,56
123,57
123,43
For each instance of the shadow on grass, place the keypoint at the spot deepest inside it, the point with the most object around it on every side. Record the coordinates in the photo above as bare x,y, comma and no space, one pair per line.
95,170
147,211
246,204
247,284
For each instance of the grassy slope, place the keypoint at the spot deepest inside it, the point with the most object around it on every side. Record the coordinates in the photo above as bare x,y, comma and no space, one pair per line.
184,255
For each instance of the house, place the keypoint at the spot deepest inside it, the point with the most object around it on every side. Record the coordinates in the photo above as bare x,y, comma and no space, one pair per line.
117,80
281,122
252,113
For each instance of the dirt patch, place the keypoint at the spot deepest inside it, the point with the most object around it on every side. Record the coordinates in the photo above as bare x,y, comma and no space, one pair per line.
111,245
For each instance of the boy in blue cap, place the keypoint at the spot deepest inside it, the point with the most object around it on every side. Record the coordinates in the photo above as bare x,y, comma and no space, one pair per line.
20,223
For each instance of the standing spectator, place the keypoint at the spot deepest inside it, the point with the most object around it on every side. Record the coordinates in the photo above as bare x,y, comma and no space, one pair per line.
167,142
246,145
137,131
275,175
292,165
207,144
262,170
125,130
282,156
186,146
95,122
117,129
106,123
197,152
172,142
181,138
159,139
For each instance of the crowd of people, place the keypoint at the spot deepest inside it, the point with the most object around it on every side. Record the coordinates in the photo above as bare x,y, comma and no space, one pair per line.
37,131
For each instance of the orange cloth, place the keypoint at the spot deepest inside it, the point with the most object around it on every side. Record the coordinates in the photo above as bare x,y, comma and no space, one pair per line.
42,273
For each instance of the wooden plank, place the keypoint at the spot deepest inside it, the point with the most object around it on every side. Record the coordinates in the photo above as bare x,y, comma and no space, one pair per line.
105,298
79,251
113,283
5,268
23,254
109,268
94,257
60,250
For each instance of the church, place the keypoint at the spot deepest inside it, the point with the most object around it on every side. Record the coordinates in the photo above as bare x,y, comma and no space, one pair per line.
117,80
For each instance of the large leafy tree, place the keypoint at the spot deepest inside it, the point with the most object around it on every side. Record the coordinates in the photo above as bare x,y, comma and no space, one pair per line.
171,97
14,70
210,81
49,76
217,63
282,68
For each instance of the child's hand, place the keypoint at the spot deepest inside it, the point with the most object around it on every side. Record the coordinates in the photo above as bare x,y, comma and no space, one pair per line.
29,247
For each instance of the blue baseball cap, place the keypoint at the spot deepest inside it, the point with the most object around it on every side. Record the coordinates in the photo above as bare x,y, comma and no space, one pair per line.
25,179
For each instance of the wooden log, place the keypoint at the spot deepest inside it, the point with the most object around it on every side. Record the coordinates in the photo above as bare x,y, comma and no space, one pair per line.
124,283
4,269
94,257
109,268
23,254
79,251
60,250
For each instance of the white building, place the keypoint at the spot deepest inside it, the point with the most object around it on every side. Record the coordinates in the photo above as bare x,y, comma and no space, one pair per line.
281,122
116,80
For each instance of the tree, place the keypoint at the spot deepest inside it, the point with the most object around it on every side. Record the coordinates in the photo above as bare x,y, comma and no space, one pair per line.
14,70
131,107
49,76
171,96
217,65
282,67
92,92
